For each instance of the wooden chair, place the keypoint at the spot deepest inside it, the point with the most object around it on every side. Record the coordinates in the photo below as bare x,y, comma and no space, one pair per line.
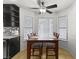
36,47
50,47
56,34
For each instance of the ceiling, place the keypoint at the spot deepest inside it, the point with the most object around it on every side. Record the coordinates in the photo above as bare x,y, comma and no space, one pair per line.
61,4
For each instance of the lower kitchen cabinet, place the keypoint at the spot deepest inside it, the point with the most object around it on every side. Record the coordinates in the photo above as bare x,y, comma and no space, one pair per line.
12,47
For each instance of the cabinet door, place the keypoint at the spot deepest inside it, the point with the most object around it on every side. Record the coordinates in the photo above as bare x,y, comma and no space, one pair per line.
6,20
15,15
14,46
6,8
6,15
10,15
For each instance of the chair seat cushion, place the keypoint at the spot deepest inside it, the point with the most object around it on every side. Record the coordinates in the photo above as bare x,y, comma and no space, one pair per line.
36,45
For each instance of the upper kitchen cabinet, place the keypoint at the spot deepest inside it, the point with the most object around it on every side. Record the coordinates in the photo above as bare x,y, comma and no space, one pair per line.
10,15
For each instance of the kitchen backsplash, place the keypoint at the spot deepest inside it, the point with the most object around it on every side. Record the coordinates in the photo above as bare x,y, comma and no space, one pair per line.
7,31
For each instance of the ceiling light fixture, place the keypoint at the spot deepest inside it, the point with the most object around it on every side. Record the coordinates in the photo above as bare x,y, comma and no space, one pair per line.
42,10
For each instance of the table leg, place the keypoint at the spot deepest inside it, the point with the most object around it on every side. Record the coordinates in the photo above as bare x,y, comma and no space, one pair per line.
28,50
56,50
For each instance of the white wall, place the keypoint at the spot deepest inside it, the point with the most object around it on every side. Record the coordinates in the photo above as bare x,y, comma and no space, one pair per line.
71,13
72,31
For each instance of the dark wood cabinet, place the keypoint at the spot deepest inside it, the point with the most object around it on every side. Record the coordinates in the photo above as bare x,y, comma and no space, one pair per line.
14,46
6,20
10,15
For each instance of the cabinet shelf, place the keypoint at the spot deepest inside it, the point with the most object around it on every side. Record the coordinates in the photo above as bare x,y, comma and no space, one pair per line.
15,16
15,11
15,21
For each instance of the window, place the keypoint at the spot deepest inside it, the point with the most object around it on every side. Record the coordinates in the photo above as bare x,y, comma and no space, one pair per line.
63,27
27,26
45,27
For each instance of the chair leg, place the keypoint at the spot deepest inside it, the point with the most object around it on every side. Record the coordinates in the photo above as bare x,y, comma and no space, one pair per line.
46,53
40,53
32,51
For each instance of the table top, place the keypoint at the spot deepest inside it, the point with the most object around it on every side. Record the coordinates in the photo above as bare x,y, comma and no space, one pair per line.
45,40
42,38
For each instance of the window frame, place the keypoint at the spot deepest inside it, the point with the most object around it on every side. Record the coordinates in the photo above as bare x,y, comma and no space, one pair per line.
47,18
58,27
29,27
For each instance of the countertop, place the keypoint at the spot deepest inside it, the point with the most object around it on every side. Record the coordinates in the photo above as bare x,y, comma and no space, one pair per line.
9,37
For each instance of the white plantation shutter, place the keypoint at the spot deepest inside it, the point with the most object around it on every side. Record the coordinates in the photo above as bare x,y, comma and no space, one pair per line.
51,27
63,27
45,27
28,25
